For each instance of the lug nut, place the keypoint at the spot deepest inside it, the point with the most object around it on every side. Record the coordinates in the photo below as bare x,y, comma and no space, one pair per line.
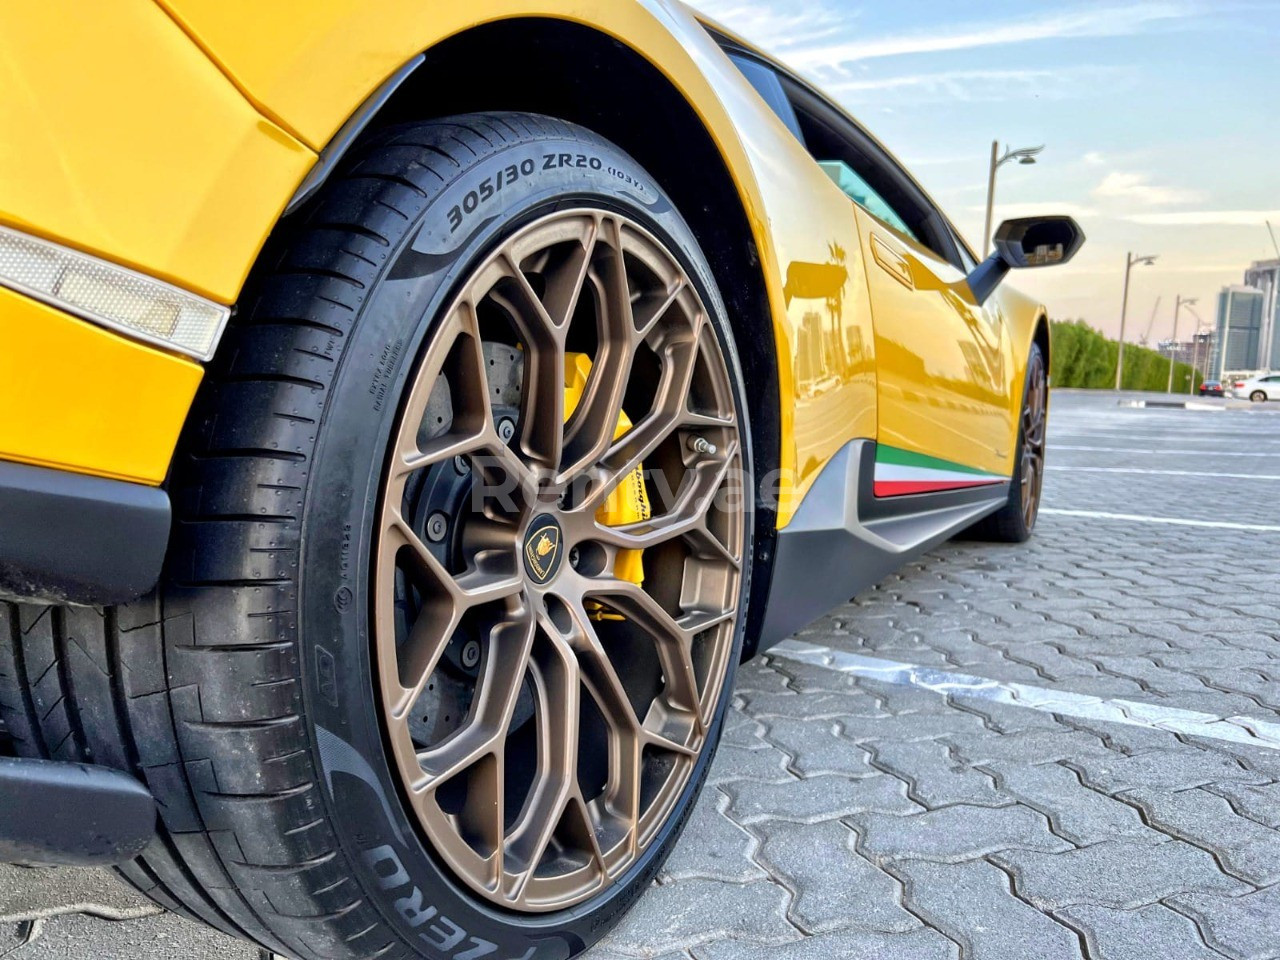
470,654
702,445
460,464
506,430
437,527
575,557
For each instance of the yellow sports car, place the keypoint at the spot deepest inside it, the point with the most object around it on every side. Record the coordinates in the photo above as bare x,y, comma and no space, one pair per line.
412,412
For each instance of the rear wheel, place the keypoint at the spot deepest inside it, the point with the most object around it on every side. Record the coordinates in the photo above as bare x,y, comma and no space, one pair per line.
456,592
1016,519
1258,396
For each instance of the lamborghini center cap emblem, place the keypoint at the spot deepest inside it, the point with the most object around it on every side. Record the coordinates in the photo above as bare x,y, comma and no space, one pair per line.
542,549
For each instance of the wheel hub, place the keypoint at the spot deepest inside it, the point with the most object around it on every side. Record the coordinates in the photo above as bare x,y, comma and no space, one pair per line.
543,549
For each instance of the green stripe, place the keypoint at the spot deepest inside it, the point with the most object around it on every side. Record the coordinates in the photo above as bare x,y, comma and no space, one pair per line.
908,458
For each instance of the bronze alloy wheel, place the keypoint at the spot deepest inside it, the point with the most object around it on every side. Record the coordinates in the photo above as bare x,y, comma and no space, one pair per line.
1034,419
548,673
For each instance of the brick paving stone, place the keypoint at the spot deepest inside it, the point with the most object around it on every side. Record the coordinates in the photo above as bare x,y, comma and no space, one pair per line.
807,858
973,904
1260,802
721,850
817,748
1152,931
935,777
1114,873
1244,927
908,727
1248,849
1161,769
955,833
1082,815
733,763
679,915
816,705
847,945
820,798
1039,746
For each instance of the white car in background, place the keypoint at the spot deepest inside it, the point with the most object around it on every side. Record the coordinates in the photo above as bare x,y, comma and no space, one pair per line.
1257,389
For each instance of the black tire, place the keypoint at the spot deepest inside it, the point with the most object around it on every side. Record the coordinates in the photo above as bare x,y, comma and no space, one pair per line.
241,693
1258,396
1009,524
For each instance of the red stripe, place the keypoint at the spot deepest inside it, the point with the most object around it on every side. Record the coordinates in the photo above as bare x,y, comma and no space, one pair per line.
898,488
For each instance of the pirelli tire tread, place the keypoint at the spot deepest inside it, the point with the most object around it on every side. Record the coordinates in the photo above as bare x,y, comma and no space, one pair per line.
197,689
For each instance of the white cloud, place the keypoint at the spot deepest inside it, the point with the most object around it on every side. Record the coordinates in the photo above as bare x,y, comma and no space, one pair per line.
1094,159
1137,187
778,24
1207,218
1040,208
1098,21
982,85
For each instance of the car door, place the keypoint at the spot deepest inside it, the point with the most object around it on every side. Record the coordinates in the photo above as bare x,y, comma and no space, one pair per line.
940,362
944,411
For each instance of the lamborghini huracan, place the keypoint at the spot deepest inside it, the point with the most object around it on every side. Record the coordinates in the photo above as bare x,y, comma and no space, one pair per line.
412,412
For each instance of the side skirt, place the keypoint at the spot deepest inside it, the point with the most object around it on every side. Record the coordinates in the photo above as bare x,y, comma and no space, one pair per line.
843,538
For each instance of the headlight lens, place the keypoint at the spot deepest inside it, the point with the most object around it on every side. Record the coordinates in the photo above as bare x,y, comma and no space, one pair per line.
111,295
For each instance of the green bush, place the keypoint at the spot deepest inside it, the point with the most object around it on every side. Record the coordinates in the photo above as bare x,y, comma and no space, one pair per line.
1083,357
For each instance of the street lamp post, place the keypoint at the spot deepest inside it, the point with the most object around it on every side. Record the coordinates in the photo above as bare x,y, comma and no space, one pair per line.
1178,304
1025,155
1195,357
1129,261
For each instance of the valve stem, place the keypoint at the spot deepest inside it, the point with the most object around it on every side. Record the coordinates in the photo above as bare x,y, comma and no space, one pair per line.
702,445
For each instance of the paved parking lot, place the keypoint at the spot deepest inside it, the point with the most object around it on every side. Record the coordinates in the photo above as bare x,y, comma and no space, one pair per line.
1065,749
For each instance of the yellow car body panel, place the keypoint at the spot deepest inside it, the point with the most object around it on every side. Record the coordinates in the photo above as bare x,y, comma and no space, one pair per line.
80,398
122,139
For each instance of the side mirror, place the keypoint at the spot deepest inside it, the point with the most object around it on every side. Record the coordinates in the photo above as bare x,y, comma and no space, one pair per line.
1026,242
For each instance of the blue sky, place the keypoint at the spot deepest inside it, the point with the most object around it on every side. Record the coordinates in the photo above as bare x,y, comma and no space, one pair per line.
1161,120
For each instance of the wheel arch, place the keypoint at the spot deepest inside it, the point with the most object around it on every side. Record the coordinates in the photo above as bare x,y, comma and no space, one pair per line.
1042,338
675,145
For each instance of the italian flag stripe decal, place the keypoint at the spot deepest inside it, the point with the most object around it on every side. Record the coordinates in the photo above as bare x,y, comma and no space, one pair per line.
900,472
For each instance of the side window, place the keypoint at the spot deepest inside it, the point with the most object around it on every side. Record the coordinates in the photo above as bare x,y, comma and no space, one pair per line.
769,87
864,195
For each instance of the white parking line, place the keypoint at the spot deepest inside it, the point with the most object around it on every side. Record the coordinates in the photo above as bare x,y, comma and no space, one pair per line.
1166,452
1241,730
1175,521
1165,473
1123,436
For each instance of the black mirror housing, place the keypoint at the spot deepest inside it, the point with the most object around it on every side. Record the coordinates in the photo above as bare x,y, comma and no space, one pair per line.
1022,243
1038,241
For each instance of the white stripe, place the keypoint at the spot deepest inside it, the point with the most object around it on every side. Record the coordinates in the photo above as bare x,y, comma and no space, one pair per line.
1234,729
1166,473
1192,453
898,472
1175,521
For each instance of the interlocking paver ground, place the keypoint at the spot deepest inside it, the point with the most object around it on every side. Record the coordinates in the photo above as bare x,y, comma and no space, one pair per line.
847,818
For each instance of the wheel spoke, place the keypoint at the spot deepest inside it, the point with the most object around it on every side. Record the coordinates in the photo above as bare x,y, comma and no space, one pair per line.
686,516
673,637
449,404
498,687
557,688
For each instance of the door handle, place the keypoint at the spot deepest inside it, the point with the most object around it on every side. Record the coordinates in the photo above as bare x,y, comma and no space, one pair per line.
892,262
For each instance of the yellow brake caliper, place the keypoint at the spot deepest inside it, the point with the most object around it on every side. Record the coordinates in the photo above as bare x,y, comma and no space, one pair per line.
628,502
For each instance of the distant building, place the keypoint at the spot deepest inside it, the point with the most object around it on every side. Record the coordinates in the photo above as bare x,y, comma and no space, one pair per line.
1238,344
1264,275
